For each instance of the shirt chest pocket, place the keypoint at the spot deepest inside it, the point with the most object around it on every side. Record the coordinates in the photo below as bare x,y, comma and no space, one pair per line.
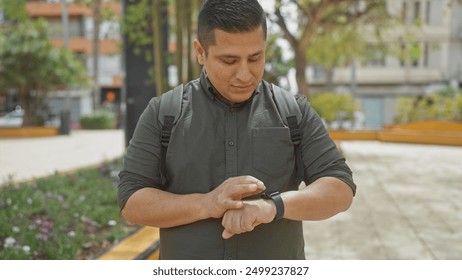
272,151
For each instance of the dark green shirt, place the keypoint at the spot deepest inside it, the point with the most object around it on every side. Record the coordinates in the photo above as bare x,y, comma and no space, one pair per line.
213,141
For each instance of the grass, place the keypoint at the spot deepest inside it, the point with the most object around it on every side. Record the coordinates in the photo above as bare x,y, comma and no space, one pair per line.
62,217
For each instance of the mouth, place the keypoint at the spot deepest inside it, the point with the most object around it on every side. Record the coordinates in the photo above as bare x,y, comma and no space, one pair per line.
243,87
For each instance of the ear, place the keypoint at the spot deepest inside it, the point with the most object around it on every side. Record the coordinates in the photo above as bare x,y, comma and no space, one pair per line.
199,52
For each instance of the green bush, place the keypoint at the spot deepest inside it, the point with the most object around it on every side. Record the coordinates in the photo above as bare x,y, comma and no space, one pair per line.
433,107
332,106
458,108
101,119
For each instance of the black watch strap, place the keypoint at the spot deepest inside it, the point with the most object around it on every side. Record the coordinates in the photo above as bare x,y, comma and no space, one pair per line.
277,199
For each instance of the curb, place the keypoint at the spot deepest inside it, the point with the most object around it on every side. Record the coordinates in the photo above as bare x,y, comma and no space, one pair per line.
143,244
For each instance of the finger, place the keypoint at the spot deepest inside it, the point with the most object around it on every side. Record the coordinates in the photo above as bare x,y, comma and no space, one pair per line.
227,223
250,180
226,234
246,225
241,190
231,222
257,191
246,179
233,204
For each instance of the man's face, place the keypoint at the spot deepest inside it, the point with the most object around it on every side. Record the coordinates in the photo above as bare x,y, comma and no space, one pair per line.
235,63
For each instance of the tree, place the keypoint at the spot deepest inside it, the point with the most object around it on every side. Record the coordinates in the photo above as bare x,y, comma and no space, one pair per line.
100,13
30,65
338,47
332,107
145,24
14,10
158,10
321,17
185,22
96,49
276,67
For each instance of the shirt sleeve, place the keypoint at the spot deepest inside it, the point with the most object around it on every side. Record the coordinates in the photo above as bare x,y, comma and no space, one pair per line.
142,158
321,157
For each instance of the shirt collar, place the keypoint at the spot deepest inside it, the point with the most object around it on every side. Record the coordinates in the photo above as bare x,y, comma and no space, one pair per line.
211,91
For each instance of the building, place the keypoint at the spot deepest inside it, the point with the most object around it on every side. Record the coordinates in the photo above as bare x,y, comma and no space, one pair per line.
436,31
80,41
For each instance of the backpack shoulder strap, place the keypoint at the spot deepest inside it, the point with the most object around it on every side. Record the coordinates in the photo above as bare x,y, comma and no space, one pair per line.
170,104
169,113
286,103
291,116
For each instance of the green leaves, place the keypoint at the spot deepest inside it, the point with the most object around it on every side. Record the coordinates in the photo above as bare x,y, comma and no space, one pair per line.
438,106
338,47
62,217
29,62
332,106
101,119
14,10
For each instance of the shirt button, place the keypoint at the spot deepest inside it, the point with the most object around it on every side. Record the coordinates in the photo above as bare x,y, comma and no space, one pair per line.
231,143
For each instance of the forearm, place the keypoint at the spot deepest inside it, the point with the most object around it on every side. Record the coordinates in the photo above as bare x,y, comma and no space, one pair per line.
157,208
154,207
320,200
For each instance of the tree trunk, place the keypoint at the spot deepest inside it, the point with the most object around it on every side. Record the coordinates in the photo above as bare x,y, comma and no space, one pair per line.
96,51
179,40
330,79
26,102
188,15
194,15
159,62
300,71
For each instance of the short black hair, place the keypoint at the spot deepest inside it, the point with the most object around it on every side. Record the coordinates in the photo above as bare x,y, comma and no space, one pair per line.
232,16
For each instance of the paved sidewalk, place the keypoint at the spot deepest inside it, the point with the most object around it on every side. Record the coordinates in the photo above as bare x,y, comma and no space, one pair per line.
23,159
408,204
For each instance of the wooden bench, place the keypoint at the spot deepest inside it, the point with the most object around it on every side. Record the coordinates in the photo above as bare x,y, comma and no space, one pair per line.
425,132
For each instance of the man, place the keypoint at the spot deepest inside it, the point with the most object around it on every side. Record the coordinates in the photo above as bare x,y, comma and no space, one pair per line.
229,145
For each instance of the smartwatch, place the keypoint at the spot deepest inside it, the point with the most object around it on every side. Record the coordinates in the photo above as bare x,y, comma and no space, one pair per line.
277,199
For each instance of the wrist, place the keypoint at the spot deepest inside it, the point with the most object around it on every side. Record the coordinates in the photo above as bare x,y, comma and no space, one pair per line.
203,208
278,203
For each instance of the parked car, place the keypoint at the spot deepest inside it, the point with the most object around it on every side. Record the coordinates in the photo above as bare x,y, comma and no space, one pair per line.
13,118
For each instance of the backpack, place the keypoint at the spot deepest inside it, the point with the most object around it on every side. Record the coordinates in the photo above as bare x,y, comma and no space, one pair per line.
170,110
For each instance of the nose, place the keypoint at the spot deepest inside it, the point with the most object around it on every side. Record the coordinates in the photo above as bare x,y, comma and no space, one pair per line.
243,73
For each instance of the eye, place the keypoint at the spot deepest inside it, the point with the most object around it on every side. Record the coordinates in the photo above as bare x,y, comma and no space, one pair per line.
254,58
229,61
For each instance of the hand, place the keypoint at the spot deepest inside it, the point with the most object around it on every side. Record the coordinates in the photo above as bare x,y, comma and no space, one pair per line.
245,219
228,195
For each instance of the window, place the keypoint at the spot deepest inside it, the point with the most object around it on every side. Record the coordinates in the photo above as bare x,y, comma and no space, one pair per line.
375,56
413,11
75,27
427,12
415,51
402,60
410,54
404,12
319,72
426,54
416,10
